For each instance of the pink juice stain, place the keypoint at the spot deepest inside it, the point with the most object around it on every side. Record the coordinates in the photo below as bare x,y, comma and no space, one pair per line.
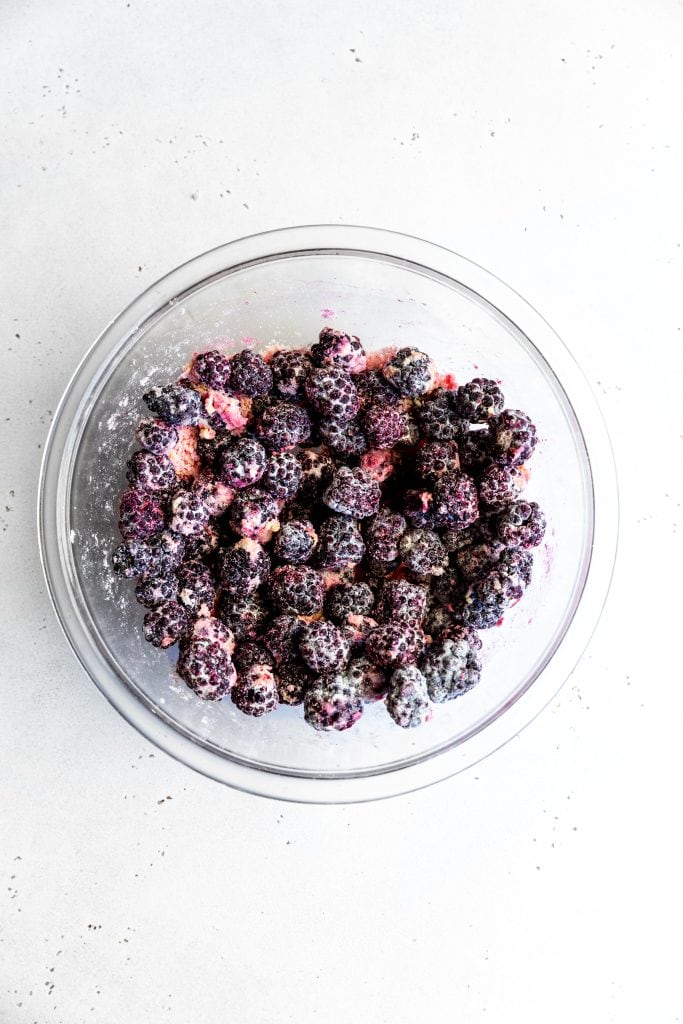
327,314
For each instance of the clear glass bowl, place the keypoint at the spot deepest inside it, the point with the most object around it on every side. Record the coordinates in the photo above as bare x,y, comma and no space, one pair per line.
280,287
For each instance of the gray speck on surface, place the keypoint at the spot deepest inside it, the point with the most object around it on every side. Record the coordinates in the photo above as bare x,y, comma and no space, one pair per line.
195,196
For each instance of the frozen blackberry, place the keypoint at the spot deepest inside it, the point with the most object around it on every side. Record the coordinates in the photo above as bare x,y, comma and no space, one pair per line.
156,590
455,501
498,485
401,601
323,647
356,629
348,599
438,622
254,513
242,463
196,588
343,438
411,372
371,680
283,475
384,426
140,515
332,393
293,680
216,495
213,369
202,546
451,668
149,472
189,513
250,653
408,698
245,615
478,400
333,702
340,543
521,524
155,556
394,644
353,492
282,426
335,348
493,593
317,470
514,437
175,404
418,507
290,370
243,567
478,558
282,638
447,589
380,463
459,632
255,691
165,624
297,589
423,553
375,389
250,374
436,415
436,459
455,540
207,627
156,436
207,669
475,448
296,541
382,535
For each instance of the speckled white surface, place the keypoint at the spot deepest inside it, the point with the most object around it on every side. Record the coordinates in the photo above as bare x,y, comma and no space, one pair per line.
541,140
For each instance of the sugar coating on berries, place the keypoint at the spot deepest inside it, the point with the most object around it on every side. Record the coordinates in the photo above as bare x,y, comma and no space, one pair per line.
394,644
456,503
155,590
255,691
371,680
423,553
411,372
451,668
207,669
140,515
242,463
401,601
166,623
255,514
296,541
251,652
353,492
282,638
408,698
349,599
383,426
475,559
204,545
340,543
290,370
521,524
418,507
156,436
189,513
498,485
342,437
213,369
196,587
383,534
293,680
475,448
375,390
436,415
317,469
250,374
282,426
297,589
209,628
479,400
149,472
489,596
333,703
244,567
436,459
379,463
180,406
335,348
245,615
332,393
154,556
514,437
323,647
283,475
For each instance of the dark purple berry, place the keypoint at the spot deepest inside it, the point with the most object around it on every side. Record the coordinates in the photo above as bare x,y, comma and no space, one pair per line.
408,699
165,624
375,389
323,647
447,589
156,556
293,681
335,348
243,567
401,601
282,638
353,492
384,426
255,691
370,679
290,370
514,437
254,513
497,590
245,615
207,669
344,439
411,372
436,459
478,400
521,524
355,629
250,653
333,702
250,374
149,472
180,406
202,546
475,448
394,644
283,475
282,426
297,589
196,588
156,436
213,369
499,485
317,470
348,599
189,513
155,590
140,515
332,393
242,463
296,541
436,415
475,559
423,553
209,628
382,535
340,543
451,668
455,501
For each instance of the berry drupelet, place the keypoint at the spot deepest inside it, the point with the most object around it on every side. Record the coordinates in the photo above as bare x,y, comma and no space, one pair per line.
296,541
166,623
331,392
196,587
189,513
343,438
499,485
394,644
282,638
436,459
290,370
213,369
283,475
282,425
423,553
149,472
293,680
156,436
255,691
436,415
348,599
245,615
140,515
514,437
255,514
401,601
384,426
335,348
521,524
243,567
241,464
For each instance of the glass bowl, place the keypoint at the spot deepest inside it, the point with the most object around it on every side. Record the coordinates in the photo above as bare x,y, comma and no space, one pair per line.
280,287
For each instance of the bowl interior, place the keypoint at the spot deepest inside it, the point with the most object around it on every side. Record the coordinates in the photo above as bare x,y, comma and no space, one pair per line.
284,300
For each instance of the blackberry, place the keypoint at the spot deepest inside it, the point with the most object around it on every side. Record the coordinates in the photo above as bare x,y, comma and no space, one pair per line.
408,699
455,540
514,437
344,439
202,546
207,669
475,448
356,629
140,515
447,589
296,541
175,404
282,638
149,472
210,442
384,426
335,348
333,702
438,622
250,374
411,372
290,370
165,624
459,632
423,553
382,535
155,590
196,588
242,463
243,567
498,485
371,680
478,400
213,369
293,681
493,593
375,389
348,599
379,463
340,543
317,470
418,507
297,589
156,556
282,426
436,415
477,558
455,502
189,513
244,615
216,495
283,475
401,601
254,514
323,647
332,393
156,436
255,691
435,460
353,492
209,628
451,668
250,653
521,524
394,644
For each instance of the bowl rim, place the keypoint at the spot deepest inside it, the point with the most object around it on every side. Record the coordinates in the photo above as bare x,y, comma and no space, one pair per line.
332,238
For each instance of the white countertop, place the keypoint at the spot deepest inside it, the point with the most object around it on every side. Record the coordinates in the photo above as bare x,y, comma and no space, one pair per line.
541,140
